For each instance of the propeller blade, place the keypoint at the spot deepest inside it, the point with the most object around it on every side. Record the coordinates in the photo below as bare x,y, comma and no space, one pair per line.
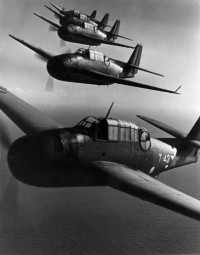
50,84
5,138
52,28
62,43
40,57
68,51
56,16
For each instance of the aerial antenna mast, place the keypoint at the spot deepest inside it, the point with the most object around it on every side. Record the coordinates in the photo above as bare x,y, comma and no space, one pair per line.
109,110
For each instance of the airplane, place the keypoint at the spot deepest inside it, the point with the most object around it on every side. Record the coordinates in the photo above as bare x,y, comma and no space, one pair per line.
80,16
77,18
92,67
86,33
100,151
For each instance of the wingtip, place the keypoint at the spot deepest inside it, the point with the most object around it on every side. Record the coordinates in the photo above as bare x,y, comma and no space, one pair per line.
15,38
177,90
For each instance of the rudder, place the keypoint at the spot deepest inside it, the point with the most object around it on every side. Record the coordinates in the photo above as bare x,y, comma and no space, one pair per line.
93,15
104,21
134,60
114,30
194,133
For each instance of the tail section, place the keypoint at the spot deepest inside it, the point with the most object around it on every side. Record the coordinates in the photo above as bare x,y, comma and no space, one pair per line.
194,134
93,15
134,60
113,34
104,22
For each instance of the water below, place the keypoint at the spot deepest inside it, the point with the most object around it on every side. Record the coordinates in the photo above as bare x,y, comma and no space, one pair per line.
94,220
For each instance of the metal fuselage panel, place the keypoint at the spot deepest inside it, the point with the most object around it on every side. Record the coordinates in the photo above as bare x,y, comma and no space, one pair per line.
62,158
157,159
73,33
67,69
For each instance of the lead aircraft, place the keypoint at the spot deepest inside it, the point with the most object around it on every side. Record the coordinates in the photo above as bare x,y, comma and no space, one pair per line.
100,152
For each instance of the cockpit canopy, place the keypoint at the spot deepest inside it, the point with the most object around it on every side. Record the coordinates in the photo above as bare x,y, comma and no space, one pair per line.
114,130
92,55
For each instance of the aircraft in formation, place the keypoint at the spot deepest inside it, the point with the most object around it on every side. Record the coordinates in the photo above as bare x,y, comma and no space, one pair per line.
100,151
92,67
76,16
86,33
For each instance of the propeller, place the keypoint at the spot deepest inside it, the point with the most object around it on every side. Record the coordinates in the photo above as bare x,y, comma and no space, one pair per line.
5,138
9,186
62,43
52,29
50,84
68,51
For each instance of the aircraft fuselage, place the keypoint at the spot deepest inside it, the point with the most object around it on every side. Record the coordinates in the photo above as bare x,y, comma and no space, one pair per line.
62,157
77,33
68,67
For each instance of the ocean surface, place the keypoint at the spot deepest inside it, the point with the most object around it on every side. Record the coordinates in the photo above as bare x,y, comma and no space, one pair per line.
94,220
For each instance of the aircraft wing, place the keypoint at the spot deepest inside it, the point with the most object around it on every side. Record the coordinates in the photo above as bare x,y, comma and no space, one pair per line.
44,54
143,186
26,117
112,79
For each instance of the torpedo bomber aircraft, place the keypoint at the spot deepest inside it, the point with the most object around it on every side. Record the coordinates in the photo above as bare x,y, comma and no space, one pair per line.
100,152
91,67
86,33
64,15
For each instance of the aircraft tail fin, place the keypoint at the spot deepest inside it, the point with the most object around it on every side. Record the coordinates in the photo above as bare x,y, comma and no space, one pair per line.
112,35
134,61
104,21
93,15
194,133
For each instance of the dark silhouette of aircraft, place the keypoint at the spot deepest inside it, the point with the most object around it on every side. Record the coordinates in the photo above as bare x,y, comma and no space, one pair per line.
91,67
100,152
74,15
87,33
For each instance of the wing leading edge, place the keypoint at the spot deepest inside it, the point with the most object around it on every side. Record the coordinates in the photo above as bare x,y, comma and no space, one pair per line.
143,186
26,117
112,79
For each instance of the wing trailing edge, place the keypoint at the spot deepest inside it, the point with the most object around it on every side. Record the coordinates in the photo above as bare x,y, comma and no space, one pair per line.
112,79
143,186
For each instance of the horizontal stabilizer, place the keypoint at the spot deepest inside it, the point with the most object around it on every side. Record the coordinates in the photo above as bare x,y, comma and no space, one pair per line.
120,36
170,130
145,70
39,51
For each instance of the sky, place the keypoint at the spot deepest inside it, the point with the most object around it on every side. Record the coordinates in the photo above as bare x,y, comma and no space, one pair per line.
82,219
168,30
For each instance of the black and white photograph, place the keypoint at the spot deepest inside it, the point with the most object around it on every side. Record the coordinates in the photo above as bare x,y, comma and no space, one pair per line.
100,127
